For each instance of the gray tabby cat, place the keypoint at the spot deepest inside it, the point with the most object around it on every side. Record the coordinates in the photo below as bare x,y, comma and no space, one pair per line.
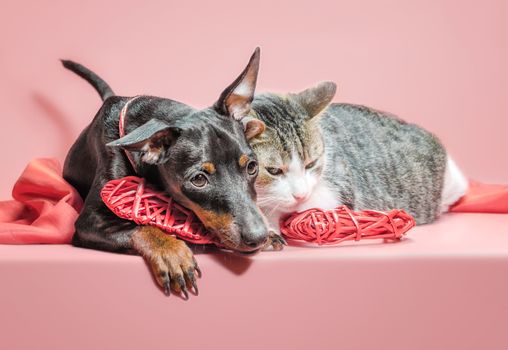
313,154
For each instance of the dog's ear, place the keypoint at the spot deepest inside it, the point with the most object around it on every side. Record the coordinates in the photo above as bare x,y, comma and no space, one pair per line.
316,98
151,139
252,127
236,99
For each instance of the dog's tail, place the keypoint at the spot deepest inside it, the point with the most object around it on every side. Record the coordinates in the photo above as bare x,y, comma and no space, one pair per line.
100,85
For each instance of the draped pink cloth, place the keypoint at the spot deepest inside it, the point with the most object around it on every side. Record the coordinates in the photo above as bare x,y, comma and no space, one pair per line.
45,207
483,198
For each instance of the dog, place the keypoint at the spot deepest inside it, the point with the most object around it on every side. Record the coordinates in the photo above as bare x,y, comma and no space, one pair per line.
201,158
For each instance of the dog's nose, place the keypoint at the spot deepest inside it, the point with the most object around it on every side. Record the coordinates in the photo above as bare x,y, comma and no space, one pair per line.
255,238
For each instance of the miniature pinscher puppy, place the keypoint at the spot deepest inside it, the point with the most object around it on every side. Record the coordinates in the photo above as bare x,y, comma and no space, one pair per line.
201,158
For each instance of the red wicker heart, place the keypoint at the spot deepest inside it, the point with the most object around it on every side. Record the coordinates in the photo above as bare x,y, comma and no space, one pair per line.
330,227
130,199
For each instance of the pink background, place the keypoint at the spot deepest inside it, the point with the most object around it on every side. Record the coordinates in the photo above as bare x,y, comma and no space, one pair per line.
442,64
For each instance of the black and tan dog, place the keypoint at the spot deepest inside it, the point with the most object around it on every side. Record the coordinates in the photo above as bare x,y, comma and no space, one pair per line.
201,158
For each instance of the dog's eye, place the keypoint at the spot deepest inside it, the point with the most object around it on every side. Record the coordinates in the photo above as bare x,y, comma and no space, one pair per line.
252,168
199,180
274,171
311,165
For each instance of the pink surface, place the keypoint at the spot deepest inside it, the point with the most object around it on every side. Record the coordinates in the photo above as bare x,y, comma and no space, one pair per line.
444,287
438,63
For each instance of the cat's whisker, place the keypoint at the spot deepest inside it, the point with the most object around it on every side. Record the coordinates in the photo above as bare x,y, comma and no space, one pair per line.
273,209
268,200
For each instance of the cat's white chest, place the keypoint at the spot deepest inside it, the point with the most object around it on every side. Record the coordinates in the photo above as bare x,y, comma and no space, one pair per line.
322,197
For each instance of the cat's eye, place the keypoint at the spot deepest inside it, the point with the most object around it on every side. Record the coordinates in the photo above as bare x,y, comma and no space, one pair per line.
199,180
252,168
311,165
274,171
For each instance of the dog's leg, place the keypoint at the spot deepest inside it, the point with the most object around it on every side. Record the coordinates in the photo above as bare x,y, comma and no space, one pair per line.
172,262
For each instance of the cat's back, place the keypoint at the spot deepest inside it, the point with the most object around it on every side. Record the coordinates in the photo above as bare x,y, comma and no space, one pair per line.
392,163
367,129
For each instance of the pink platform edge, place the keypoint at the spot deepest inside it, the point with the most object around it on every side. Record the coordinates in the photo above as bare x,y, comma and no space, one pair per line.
443,287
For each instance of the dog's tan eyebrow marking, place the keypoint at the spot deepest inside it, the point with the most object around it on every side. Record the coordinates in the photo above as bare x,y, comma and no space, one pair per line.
243,160
208,167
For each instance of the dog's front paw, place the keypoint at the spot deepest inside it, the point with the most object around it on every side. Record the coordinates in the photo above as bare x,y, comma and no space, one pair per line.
172,262
275,241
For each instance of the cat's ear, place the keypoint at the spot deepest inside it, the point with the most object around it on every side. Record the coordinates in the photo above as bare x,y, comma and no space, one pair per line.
252,127
316,98
152,140
235,100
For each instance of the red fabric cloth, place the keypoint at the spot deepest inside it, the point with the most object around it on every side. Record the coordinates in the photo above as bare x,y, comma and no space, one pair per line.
45,206
483,198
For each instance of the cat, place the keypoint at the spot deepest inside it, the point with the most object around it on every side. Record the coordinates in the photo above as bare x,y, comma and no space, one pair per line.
314,154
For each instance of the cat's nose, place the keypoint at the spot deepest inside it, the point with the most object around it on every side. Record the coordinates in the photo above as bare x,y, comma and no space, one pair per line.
300,197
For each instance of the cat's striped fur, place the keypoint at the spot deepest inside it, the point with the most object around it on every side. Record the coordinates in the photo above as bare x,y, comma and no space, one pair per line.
355,155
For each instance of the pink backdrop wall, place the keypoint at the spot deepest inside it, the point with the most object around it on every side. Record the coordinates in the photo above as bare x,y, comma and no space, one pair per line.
442,64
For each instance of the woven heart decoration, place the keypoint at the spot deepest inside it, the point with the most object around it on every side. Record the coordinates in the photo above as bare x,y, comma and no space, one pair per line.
130,198
331,227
